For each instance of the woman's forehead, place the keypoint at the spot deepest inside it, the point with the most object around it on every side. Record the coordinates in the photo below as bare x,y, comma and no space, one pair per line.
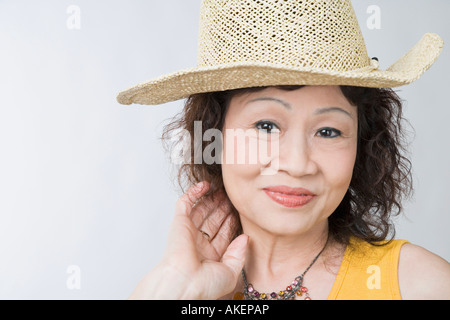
323,98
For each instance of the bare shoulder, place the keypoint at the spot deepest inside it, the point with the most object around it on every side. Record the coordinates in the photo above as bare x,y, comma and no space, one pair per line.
423,274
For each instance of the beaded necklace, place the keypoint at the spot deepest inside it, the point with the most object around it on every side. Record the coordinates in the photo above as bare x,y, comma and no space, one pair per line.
288,294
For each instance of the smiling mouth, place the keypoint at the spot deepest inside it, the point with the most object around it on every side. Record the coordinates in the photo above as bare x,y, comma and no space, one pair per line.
290,200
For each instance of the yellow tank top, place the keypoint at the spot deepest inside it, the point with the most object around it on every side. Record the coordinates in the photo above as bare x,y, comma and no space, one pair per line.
368,272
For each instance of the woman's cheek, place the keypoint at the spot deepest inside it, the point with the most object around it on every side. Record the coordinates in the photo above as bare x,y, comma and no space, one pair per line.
239,176
340,168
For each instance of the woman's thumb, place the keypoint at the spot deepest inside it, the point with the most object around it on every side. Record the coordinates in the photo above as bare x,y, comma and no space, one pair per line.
234,256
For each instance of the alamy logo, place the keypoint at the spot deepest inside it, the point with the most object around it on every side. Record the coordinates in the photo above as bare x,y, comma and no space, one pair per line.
242,147
73,281
374,20
374,281
74,19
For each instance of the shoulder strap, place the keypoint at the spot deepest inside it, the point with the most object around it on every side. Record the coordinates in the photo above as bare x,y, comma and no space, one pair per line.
369,271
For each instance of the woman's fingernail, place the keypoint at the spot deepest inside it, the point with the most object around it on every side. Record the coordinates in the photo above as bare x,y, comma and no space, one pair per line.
200,186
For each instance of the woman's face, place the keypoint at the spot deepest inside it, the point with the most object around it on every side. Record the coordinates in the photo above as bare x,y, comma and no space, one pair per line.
311,138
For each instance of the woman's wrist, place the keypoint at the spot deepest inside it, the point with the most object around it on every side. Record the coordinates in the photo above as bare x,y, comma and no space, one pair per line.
163,283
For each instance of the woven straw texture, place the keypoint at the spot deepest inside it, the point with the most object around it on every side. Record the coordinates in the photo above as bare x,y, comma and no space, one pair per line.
302,34
249,43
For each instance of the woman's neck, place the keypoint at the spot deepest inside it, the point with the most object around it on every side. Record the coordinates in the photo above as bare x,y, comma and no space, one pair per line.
273,261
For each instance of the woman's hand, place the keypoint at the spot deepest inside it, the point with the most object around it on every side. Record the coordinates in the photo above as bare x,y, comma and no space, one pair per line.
199,261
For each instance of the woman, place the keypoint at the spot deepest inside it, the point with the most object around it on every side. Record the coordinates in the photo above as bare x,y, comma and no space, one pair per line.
311,218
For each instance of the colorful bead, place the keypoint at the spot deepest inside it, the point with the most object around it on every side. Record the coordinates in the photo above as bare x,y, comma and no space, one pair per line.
273,295
250,288
256,294
288,288
238,296
299,293
304,289
281,293
294,283
307,298
263,295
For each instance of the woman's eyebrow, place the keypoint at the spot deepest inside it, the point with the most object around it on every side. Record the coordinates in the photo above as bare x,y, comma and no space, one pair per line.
317,112
285,104
332,109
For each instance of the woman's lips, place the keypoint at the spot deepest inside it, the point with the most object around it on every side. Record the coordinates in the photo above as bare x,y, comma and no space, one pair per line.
289,197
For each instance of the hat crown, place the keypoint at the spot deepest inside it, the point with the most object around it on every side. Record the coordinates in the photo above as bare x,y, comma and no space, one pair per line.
307,34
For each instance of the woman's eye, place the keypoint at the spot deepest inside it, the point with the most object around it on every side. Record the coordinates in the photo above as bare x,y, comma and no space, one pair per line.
267,126
329,133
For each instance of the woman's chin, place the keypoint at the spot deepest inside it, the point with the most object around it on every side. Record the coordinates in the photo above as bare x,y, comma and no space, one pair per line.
280,225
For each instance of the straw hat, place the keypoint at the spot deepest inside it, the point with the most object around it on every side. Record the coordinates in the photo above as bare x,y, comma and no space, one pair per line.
252,43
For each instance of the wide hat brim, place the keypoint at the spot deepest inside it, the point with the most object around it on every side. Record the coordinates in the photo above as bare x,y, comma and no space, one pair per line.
182,84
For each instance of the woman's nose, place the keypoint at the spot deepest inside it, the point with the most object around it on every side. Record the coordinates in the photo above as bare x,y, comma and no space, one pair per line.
296,156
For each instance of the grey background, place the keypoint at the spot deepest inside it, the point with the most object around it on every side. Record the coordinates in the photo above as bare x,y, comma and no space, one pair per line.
84,181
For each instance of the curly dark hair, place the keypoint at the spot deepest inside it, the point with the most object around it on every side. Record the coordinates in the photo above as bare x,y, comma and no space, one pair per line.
381,175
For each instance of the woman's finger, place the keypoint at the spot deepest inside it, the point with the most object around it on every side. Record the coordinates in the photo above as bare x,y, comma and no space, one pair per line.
215,217
182,231
185,203
225,234
234,256
205,207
